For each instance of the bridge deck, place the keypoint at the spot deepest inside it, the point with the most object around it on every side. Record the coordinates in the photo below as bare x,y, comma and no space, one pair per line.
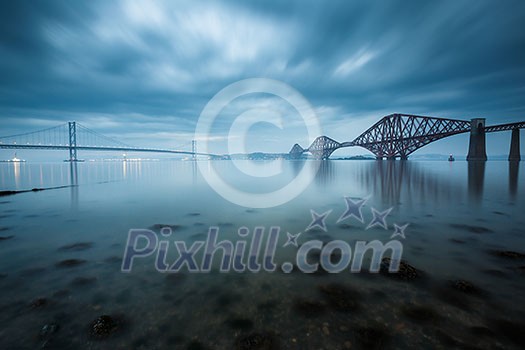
95,148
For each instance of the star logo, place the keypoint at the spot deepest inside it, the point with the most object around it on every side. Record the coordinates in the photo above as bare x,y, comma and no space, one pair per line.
379,218
353,208
399,231
318,220
292,239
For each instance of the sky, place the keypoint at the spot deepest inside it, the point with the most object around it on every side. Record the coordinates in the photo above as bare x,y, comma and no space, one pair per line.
142,71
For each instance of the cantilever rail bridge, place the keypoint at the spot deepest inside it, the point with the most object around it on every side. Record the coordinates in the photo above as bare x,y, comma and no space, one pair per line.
399,135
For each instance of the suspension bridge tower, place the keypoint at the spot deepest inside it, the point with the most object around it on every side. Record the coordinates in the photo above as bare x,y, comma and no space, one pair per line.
193,149
72,141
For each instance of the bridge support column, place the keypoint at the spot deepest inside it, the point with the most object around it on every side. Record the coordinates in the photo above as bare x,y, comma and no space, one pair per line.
514,154
72,141
477,148
403,157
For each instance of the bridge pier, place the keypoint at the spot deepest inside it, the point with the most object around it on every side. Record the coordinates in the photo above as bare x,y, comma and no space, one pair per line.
477,147
514,154
72,141
403,157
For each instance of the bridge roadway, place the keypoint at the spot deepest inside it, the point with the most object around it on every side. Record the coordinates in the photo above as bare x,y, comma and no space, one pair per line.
96,148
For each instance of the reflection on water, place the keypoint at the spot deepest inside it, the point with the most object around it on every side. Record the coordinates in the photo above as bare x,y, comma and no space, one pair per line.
513,178
325,173
62,267
16,170
73,175
476,180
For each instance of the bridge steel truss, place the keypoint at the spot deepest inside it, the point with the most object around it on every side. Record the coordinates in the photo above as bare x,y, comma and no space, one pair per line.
323,146
399,135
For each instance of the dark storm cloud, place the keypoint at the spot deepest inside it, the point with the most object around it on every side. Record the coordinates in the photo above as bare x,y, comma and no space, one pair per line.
134,66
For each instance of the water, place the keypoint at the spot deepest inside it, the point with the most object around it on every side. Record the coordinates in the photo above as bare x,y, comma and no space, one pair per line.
460,215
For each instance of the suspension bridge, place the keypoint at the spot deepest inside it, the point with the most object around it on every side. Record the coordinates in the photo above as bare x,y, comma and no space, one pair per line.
73,136
399,135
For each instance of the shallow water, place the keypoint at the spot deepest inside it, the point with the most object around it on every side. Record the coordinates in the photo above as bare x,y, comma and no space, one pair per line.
460,215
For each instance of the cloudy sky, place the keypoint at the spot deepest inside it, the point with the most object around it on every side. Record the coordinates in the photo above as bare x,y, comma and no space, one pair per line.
142,71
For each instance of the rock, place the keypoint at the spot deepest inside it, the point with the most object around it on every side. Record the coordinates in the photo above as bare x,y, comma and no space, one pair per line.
406,271
345,226
70,263
508,254
5,238
257,341
471,229
38,303
158,227
46,334
347,344
325,330
48,330
75,247
103,326
464,287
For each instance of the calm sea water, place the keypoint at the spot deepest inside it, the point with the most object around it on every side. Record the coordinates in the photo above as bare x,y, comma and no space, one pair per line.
465,236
